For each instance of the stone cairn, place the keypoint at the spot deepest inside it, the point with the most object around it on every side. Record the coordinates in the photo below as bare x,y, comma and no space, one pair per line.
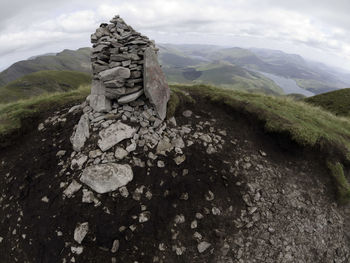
125,70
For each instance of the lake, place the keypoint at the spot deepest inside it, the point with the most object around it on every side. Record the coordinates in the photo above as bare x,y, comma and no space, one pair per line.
288,85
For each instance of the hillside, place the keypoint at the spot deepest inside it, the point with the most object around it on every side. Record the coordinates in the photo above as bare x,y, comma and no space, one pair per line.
240,166
314,77
40,82
72,60
223,75
337,102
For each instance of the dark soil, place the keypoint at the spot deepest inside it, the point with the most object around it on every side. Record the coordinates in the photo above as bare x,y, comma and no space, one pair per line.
29,171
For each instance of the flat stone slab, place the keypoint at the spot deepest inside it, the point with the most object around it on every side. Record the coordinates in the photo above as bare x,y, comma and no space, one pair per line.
130,97
104,178
114,134
155,84
114,73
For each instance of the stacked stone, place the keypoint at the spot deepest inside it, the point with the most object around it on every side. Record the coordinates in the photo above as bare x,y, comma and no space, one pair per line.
117,64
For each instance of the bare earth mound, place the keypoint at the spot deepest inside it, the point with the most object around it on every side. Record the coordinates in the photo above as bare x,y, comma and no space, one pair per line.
247,199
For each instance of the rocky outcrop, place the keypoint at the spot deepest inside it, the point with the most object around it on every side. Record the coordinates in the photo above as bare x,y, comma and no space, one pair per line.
125,66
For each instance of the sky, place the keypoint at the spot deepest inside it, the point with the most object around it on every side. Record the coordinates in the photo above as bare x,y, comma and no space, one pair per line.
317,30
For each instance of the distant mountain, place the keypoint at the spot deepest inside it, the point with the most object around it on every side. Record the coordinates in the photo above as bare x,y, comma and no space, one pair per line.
312,76
74,60
194,64
256,70
41,82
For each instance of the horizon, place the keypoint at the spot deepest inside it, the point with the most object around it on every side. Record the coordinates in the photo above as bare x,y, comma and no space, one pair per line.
316,32
55,52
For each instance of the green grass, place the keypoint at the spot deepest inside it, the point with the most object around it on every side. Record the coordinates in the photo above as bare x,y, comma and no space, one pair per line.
73,60
42,82
305,124
337,102
343,186
13,114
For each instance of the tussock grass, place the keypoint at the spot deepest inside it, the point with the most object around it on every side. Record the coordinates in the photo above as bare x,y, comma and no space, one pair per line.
12,114
48,81
342,184
307,125
337,102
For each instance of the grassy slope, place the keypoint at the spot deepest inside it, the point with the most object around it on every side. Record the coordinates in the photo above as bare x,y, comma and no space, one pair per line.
42,82
307,125
337,101
75,60
13,114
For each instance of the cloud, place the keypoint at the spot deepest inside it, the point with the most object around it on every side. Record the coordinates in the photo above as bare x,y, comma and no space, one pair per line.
322,27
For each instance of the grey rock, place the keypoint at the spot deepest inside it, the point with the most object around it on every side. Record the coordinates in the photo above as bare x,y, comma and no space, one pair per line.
89,197
80,232
114,73
72,189
61,153
77,250
155,84
187,113
104,178
78,162
144,217
178,142
115,246
164,146
180,159
131,97
81,134
100,103
114,134
120,153
115,83
94,154
203,246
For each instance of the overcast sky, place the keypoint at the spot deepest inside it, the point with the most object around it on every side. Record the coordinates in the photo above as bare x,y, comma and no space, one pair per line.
318,30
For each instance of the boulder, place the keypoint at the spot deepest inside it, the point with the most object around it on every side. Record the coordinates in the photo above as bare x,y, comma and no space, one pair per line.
114,134
81,134
104,178
114,73
155,84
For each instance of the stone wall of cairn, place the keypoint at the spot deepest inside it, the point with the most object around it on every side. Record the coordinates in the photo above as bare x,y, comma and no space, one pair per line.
118,66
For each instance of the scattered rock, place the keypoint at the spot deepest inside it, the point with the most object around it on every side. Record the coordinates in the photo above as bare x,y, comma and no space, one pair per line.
144,216
187,113
45,199
80,232
203,246
108,177
115,246
72,189
180,159
120,153
77,250
114,134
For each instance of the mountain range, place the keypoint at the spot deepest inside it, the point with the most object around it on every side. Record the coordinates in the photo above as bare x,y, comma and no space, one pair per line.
255,70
